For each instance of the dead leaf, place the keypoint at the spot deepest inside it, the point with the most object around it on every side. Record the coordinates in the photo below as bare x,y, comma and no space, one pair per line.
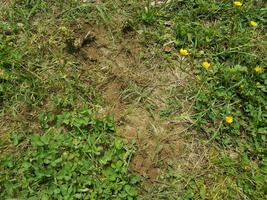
167,48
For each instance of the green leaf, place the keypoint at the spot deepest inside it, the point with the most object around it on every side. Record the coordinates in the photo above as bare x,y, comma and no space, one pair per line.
107,157
135,180
202,192
130,190
36,140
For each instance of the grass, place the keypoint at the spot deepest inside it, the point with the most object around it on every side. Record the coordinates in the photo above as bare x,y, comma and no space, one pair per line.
54,145
82,163
232,84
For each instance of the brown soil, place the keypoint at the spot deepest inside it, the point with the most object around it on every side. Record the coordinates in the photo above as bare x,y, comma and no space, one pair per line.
122,75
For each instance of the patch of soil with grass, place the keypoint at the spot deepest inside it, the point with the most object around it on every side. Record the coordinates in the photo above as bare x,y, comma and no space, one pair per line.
134,92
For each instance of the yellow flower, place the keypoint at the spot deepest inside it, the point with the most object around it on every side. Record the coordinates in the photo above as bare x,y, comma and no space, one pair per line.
206,64
184,52
258,69
229,119
253,24
237,3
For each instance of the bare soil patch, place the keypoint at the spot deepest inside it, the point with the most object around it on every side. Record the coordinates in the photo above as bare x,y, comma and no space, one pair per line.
130,85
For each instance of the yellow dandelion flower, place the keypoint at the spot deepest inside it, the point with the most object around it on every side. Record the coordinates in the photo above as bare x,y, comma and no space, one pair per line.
258,69
229,119
206,64
253,24
184,52
237,3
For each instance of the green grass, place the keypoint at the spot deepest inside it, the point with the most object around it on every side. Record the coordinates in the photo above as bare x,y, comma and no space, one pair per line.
54,146
219,32
86,161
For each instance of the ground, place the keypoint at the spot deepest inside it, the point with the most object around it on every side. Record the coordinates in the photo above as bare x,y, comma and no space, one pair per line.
99,102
